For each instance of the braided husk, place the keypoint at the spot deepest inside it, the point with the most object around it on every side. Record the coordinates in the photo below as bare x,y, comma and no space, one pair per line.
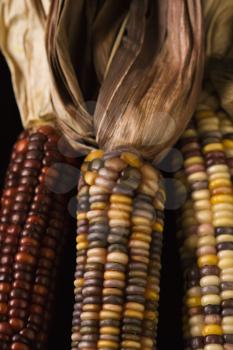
146,80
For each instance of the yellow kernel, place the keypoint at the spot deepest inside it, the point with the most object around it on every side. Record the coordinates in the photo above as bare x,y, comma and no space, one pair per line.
207,260
110,330
90,177
118,214
131,159
112,291
222,206
91,308
140,220
82,245
204,113
135,306
203,216
133,313
219,183
141,237
221,198
121,206
221,214
94,154
118,257
206,240
84,167
228,144
224,238
201,204
96,252
98,205
107,344
151,315
109,275
193,302
227,277
113,307
227,294
89,315
152,295
81,238
119,222
118,198
81,216
149,172
78,282
212,329
210,299
144,188
217,168
225,254
197,176
193,160
138,244
210,280
213,347
189,133
221,177
224,221
128,344
157,227
213,147
225,263
201,194
142,229
107,314
147,343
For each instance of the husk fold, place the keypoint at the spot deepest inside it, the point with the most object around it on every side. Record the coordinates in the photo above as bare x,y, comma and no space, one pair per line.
219,50
22,42
142,61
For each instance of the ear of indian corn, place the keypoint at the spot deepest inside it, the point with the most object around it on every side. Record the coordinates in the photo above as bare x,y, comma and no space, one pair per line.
119,239
32,226
208,171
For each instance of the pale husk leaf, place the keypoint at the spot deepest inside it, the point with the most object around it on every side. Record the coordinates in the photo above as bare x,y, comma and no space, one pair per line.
22,41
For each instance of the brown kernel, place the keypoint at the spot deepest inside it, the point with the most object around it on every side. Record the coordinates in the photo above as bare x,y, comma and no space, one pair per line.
21,146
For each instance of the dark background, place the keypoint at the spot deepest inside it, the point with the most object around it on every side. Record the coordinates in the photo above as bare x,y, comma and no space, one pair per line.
171,286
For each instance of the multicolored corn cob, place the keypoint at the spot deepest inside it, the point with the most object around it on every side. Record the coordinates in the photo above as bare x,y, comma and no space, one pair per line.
207,150
119,241
33,221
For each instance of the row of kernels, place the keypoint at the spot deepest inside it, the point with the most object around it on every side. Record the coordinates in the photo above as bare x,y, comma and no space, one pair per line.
194,165
120,218
150,321
206,251
211,146
193,317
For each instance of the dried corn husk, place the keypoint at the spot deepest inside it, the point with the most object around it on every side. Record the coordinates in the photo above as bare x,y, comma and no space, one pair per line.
219,49
22,41
147,61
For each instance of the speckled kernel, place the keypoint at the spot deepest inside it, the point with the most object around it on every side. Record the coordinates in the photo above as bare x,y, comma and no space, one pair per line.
118,253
